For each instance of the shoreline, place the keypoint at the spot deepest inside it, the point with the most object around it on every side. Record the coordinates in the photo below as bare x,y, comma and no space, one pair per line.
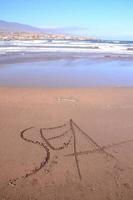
73,71
24,57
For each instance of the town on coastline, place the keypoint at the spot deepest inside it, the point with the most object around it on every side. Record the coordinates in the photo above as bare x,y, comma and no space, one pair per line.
5,36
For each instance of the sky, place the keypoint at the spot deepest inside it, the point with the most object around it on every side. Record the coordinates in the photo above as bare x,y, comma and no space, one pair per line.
107,19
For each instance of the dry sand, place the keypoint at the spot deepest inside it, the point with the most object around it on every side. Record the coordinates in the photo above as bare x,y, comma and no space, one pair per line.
102,166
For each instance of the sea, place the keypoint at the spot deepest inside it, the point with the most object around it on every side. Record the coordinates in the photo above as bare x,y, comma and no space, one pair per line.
99,46
66,63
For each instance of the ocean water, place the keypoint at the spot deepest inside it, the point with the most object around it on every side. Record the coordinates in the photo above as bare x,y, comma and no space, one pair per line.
81,72
96,63
94,46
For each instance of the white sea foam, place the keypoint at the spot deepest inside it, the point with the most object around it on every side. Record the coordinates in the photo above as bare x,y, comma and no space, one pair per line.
65,46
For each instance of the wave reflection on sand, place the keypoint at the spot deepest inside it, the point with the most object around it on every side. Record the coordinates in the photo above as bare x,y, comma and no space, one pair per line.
68,72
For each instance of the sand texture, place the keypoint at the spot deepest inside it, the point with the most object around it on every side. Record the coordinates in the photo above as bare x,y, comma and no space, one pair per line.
66,144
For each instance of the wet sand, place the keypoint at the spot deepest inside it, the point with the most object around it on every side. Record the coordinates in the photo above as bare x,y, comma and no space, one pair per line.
25,57
88,157
68,73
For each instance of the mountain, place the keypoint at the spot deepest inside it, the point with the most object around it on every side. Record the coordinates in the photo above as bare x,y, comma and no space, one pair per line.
16,27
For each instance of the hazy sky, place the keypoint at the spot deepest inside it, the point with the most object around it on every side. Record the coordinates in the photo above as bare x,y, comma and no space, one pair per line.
100,18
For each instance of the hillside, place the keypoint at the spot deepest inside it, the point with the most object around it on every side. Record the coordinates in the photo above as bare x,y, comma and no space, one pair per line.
16,27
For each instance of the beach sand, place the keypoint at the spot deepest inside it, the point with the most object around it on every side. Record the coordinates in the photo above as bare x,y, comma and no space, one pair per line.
93,158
